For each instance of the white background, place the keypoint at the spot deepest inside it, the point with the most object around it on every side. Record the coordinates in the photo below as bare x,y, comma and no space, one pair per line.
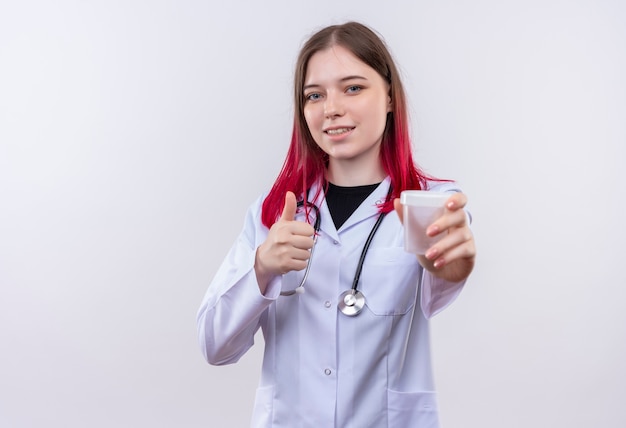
134,134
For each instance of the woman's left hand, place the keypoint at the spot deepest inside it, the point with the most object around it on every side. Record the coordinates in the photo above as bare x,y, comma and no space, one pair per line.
451,258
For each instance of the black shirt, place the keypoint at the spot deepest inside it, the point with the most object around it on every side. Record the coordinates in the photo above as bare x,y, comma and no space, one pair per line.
343,201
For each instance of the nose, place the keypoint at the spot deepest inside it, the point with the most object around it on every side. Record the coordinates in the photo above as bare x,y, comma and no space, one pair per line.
333,107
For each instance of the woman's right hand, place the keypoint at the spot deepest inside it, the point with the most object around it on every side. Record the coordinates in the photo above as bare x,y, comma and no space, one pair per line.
287,246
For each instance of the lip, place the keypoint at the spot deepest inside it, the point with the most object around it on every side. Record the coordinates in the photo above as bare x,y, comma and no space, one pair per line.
338,136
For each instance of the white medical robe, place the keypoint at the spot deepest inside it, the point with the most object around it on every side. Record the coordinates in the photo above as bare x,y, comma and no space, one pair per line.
321,368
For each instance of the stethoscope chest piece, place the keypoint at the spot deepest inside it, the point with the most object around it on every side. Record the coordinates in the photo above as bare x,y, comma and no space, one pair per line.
351,302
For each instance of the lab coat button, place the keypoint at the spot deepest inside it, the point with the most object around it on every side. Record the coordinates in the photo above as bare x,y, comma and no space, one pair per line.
327,372
327,304
336,242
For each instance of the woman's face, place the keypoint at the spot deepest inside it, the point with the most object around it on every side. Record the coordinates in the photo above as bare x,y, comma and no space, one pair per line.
346,106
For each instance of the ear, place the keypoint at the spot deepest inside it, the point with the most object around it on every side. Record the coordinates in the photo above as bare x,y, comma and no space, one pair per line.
389,109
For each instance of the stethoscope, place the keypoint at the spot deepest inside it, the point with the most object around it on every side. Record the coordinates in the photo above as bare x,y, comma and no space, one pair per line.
352,301
316,226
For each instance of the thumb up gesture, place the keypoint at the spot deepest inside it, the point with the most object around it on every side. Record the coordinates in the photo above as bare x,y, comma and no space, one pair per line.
287,246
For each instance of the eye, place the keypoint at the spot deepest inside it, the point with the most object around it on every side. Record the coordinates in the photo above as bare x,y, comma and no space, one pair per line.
314,96
353,89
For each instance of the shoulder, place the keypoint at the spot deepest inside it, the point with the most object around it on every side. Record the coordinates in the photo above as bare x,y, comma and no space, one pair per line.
253,229
255,208
448,186
442,186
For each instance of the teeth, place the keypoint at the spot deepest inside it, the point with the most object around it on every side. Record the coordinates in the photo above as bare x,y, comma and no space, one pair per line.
337,131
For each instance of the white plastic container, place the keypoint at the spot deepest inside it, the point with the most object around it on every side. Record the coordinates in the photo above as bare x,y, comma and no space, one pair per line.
420,209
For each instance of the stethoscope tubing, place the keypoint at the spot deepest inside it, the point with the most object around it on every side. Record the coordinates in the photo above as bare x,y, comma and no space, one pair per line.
351,301
359,267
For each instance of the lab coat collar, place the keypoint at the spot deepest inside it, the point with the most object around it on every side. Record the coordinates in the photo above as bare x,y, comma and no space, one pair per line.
367,209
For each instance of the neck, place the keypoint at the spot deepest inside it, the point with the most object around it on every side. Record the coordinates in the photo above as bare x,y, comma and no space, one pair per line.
348,174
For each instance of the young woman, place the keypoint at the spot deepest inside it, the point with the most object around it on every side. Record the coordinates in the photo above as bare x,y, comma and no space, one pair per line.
342,306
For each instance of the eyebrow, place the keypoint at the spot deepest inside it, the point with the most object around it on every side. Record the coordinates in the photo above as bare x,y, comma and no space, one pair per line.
343,79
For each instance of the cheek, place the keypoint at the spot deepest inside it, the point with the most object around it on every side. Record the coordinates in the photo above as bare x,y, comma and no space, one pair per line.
313,124
309,117
377,117
373,107
385,109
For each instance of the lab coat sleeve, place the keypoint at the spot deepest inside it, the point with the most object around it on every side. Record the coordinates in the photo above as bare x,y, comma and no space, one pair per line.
232,308
436,293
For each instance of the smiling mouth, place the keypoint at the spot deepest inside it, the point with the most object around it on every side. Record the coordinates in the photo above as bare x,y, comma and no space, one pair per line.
338,131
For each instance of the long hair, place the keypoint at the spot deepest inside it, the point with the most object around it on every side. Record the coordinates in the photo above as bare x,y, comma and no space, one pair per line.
305,163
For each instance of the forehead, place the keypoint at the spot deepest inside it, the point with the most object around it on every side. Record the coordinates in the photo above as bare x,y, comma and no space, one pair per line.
334,63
